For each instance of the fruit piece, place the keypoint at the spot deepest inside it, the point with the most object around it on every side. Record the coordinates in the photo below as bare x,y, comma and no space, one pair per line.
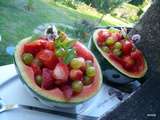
82,51
110,41
76,74
50,45
89,63
48,81
117,36
39,80
27,58
105,49
48,58
67,91
118,45
61,73
77,86
117,52
46,44
87,80
77,63
37,62
102,36
36,69
129,63
54,94
138,57
91,71
33,47
83,62
114,58
127,47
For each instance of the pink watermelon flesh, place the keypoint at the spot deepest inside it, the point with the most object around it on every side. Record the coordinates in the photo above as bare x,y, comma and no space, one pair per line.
48,82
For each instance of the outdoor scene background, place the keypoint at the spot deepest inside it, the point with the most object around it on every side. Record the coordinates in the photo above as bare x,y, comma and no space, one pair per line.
18,18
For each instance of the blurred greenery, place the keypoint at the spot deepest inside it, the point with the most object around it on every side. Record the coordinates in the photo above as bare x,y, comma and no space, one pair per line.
18,19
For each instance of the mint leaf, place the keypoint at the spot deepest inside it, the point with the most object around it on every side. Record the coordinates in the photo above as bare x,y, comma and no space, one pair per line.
68,44
58,44
69,56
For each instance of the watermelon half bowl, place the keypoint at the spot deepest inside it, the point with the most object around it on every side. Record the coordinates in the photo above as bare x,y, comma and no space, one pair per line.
56,96
121,61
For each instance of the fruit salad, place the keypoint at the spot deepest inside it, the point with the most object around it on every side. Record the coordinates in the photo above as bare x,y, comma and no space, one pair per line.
60,63
121,49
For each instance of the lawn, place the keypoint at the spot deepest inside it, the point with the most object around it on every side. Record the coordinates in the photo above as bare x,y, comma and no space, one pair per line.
17,23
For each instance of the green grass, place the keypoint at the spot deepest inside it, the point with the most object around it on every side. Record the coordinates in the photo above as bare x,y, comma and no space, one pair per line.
17,23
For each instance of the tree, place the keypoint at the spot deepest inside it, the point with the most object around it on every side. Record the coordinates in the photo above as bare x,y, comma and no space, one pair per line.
106,6
103,6
136,2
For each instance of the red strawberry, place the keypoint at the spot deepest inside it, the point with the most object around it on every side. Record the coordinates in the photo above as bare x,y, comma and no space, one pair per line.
138,57
48,58
50,45
33,47
46,44
76,74
102,36
67,91
127,47
82,51
48,81
129,63
117,36
43,42
61,73
36,69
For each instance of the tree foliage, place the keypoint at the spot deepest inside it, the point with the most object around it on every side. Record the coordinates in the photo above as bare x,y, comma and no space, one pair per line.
104,6
136,2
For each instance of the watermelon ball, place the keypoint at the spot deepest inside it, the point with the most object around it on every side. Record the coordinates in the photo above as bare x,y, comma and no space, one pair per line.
76,74
77,86
118,45
39,80
91,71
87,80
105,49
102,36
110,41
77,63
27,58
117,52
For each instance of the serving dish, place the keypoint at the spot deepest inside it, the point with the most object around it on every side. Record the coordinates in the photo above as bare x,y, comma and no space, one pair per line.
57,70
120,60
